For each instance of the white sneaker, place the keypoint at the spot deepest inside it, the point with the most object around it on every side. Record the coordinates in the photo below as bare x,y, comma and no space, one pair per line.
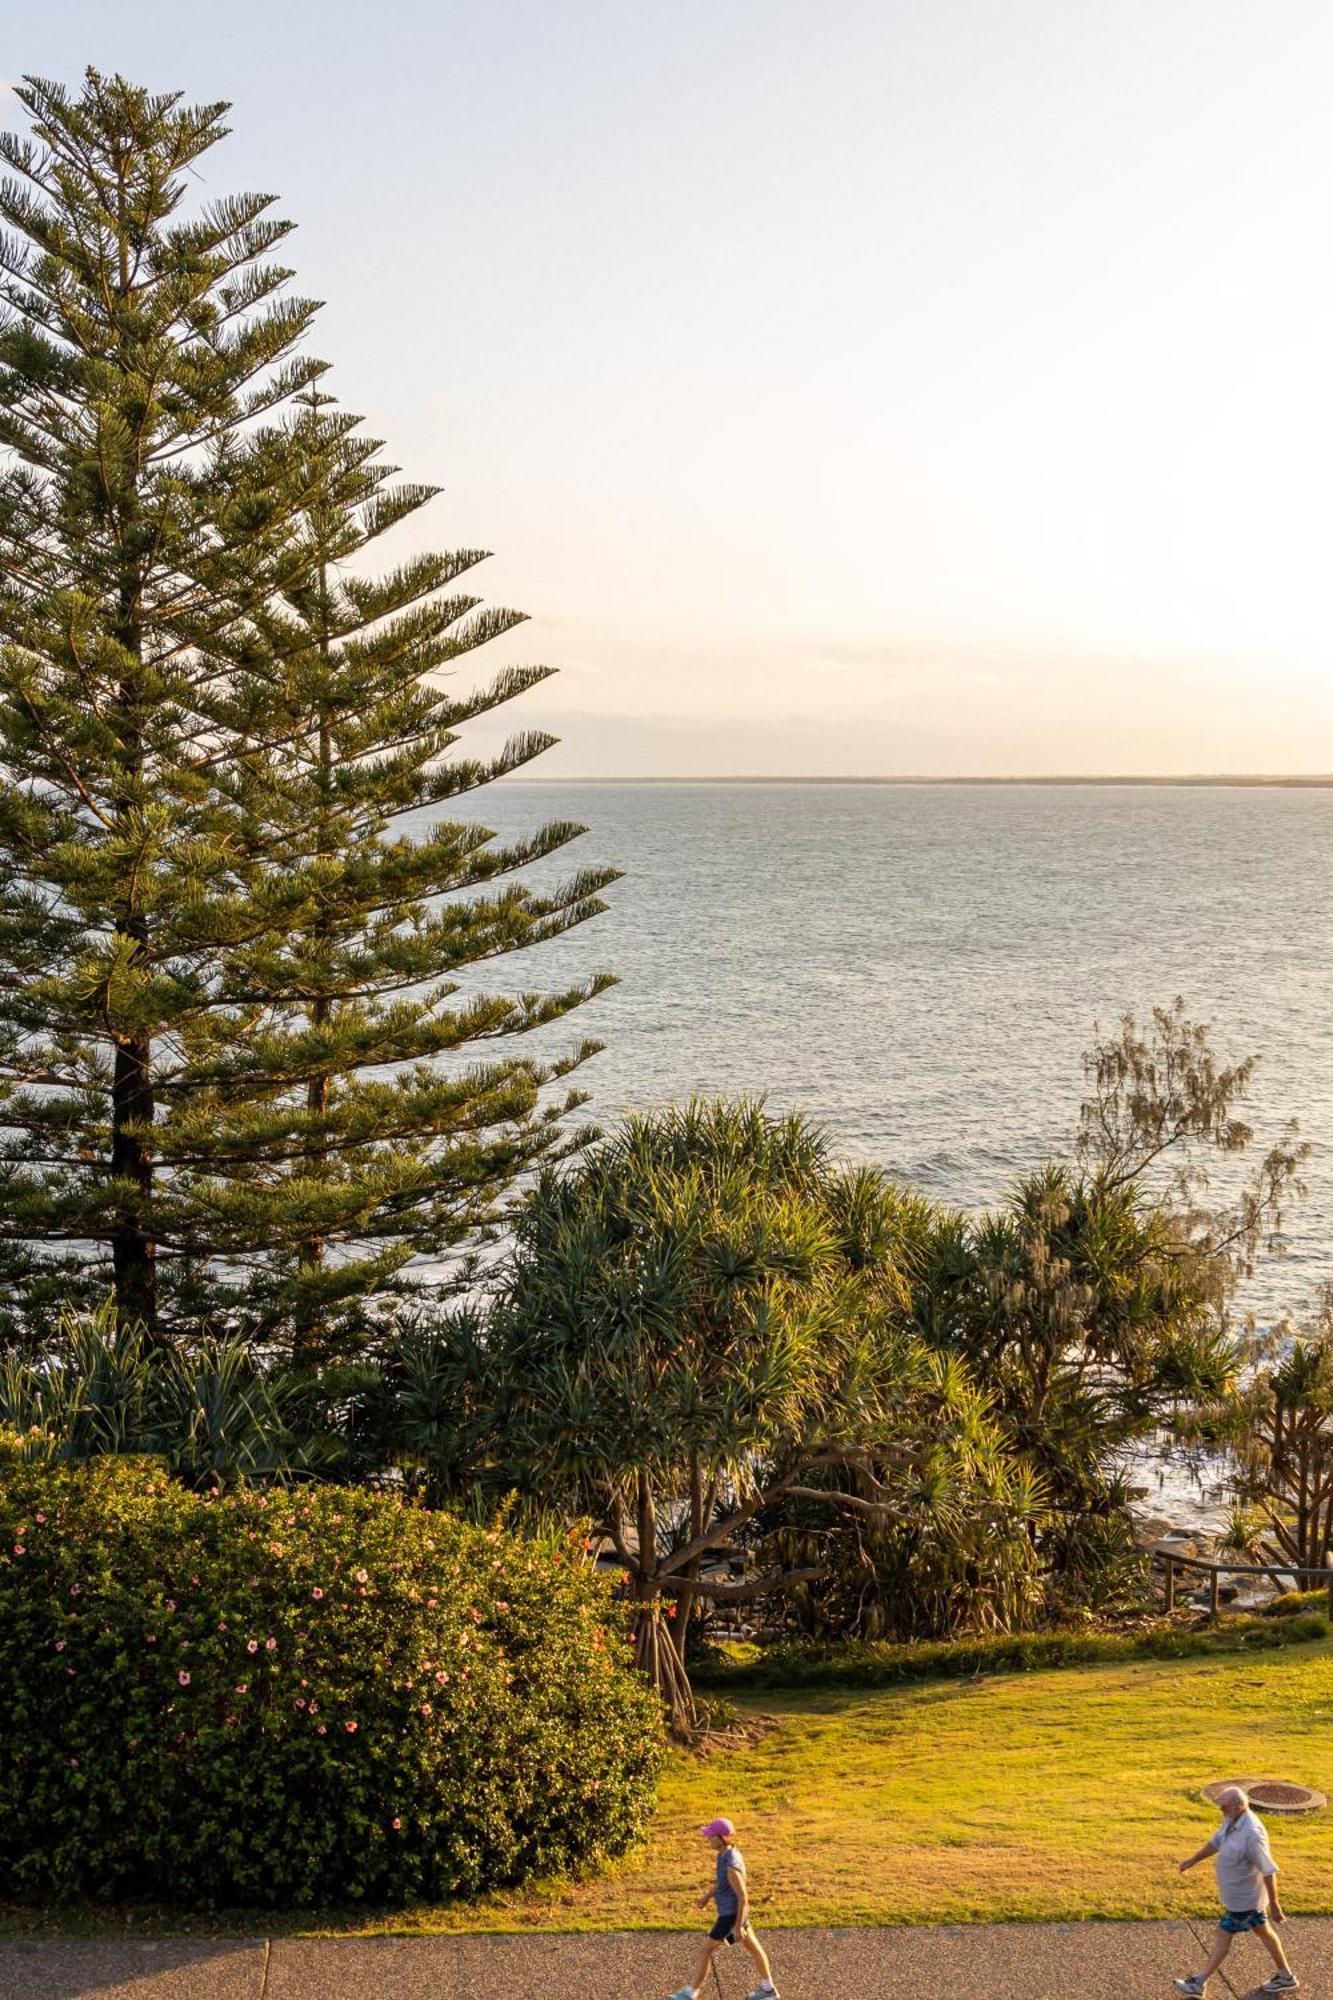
683,1993
768,1991
1193,1987
1281,1982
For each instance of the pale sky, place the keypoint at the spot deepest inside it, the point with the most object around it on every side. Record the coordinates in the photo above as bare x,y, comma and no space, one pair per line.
853,387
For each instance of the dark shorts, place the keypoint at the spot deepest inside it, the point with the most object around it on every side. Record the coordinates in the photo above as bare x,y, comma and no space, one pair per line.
1235,1921
725,1931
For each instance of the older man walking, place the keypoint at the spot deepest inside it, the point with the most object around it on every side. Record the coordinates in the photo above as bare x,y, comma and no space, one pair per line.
1247,1881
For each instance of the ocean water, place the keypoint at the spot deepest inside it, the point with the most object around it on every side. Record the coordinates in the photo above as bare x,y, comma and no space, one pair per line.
920,967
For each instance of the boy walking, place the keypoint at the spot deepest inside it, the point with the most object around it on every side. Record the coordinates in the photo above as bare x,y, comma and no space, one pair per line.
730,1894
1247,1881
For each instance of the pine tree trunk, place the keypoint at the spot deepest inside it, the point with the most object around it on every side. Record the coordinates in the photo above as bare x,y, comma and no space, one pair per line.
133,1253
306,1327
134,1262
306,1331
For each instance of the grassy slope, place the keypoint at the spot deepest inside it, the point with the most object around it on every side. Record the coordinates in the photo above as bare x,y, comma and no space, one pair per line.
1040,1795
1029,1795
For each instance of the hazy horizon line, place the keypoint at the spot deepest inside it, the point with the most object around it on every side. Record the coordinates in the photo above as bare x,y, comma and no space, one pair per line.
1295,781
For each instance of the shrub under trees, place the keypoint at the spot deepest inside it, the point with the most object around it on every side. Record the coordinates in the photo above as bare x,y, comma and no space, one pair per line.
300,1697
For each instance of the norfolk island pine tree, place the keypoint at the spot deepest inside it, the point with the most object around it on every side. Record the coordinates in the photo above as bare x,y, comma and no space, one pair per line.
238,1083
381,937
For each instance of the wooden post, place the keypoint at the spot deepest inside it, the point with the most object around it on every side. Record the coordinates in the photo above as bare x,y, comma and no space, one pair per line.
1213,1582
1169,1590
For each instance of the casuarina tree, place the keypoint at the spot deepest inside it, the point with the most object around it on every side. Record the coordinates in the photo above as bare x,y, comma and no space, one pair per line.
240,1029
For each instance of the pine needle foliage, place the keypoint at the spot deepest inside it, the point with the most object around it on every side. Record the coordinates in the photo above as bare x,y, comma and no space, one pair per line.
241,1028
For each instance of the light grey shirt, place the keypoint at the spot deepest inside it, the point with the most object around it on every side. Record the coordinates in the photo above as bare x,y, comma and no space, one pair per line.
1243,1862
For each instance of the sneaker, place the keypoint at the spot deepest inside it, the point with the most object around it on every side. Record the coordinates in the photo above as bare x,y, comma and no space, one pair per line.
1281,1982
768,1991
1194,1987
683,1993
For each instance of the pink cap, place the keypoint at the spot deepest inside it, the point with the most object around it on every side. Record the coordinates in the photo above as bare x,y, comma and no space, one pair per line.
718,1829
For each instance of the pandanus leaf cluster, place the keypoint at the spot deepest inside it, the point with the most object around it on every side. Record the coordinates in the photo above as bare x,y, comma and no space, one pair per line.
706,1317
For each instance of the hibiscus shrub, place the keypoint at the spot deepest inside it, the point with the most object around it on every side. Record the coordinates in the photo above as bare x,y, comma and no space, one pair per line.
300,1697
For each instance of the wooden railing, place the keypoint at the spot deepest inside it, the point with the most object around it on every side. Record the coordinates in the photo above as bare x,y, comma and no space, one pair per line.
1216,1571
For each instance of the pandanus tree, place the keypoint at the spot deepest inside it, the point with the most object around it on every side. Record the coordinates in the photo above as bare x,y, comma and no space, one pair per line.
212,1413
957,1551
241,1034
704,1318
1075,1308
1282,1435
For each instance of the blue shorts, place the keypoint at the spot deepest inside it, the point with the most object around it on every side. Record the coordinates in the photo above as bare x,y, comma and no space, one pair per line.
726,1930
1235,1921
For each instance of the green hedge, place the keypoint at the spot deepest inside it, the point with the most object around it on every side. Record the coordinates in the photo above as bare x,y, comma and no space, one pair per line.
300,1697
864,1663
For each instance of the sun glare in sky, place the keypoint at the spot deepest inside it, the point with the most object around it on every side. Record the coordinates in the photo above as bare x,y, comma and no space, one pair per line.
869,387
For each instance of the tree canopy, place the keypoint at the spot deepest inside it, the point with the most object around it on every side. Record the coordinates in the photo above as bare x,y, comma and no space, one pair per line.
700,1318
246,1080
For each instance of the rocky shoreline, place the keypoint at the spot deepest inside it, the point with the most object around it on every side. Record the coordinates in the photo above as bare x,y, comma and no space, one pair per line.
1183,1513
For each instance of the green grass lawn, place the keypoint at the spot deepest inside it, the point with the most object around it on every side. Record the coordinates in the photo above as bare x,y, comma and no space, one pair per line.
1038,1795
1041,1795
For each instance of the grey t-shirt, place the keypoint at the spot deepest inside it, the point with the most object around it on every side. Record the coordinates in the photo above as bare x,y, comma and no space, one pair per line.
724,1895
1243,1862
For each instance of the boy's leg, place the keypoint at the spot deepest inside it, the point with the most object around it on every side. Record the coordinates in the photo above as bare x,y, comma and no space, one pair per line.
757,1953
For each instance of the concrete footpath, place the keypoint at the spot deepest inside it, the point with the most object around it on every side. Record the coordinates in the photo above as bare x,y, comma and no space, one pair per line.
1095,1961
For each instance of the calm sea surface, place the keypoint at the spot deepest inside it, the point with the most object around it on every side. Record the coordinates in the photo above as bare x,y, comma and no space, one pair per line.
921,967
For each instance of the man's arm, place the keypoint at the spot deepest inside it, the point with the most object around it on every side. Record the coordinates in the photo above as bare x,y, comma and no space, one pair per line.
736,1877
1264,1862
1202,1855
